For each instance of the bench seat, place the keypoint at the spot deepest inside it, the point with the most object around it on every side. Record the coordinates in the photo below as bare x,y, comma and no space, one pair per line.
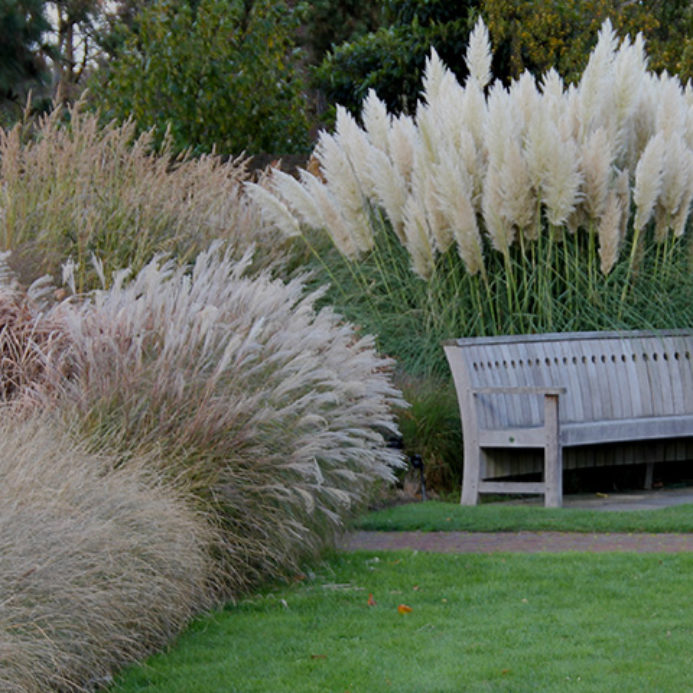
592,432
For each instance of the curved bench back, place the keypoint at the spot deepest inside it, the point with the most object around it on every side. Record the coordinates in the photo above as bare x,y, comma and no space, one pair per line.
608,375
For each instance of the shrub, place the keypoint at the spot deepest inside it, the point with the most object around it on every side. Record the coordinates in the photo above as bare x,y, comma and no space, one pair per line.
518,209
430,428
391,59
72,189
220,74
271,415
99,566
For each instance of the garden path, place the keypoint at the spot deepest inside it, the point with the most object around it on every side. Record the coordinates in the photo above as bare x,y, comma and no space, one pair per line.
538,542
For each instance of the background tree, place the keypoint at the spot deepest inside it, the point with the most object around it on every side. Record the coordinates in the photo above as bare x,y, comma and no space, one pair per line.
23,28
391,60
219,73
532,35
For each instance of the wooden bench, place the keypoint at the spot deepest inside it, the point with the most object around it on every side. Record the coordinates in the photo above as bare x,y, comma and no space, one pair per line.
557,391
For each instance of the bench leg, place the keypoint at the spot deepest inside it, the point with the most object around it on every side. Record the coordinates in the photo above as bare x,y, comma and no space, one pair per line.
649,476
553,455
471,474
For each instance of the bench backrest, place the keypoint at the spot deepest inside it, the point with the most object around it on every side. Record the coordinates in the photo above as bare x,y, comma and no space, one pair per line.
608,375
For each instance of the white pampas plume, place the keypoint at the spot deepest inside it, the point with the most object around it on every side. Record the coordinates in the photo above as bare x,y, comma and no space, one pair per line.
648,180
596,162
594,88
676,175
273,209
560,189
335,224
434,73
403,136
670,118
525,98
453,190
518,203
376,121
297,197
500,123
501,233
418,241
390,189
473,111
478,55
609,232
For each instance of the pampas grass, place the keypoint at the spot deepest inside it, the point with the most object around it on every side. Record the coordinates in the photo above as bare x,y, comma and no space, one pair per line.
526,180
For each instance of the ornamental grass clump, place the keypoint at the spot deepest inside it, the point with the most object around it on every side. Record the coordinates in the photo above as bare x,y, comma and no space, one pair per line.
71,188
532,207
272,416
99,566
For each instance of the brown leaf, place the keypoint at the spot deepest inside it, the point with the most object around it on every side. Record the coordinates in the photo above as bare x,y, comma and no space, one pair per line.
404,609
371,601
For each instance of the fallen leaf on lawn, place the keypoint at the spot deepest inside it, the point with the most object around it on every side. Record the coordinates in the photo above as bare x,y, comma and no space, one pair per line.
525,601
314,656
404,609
416,588
505,672
371,601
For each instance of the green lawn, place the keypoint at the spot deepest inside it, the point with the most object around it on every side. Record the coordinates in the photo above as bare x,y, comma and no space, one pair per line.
584,622
436,516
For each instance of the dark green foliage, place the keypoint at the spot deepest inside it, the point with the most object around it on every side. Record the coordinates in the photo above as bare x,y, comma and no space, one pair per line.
391,60
23,24
220,76
430,427
329,23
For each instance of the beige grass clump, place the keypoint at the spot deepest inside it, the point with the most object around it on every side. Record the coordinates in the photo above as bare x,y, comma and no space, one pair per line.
272,413
70,187
98,566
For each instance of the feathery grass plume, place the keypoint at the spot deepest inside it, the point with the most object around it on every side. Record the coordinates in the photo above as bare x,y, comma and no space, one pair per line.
417,235
501,233
335,224
670,117
376,121
271,413
676,180
100,566
609,232
594,87
389,188
478,54
629,66
402,144
454,200
293,193
596,166
273,209
518,199
70,188
648,180
340,157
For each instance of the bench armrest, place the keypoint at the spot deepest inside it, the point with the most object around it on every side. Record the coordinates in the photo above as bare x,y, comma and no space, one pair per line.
519,390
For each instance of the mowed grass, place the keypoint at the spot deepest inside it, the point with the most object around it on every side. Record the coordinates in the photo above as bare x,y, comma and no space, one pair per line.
584,622
436,516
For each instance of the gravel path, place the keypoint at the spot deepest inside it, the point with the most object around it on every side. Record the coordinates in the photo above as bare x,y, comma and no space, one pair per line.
515,542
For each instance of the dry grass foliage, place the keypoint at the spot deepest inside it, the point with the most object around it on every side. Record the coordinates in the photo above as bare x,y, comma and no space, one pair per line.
70,188
271,414
98,566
